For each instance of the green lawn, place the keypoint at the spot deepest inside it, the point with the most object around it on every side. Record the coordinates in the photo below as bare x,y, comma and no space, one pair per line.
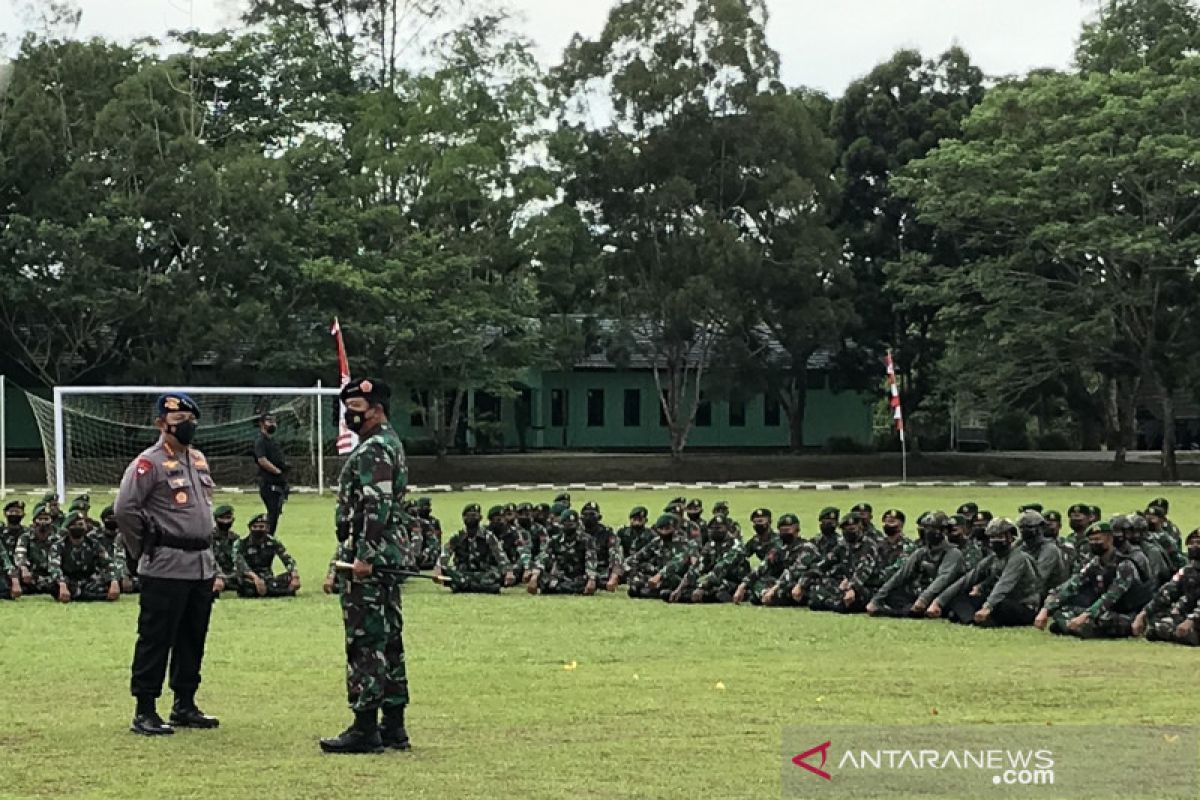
495,714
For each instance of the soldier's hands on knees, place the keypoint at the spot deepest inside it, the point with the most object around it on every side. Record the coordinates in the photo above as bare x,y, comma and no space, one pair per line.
1139,624
1184,628
509,579
675,595
698,596
64,594
983,615
656,581
327,586
26,575
614,581
1078,622
975,591
768,597
872,607
798,593
849,597
590,589
114,591
260,586
1041,619
919,606
934,611
740,594
15,589
531,585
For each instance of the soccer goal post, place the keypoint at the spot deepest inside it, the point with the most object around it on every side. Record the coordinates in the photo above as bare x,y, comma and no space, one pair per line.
91,433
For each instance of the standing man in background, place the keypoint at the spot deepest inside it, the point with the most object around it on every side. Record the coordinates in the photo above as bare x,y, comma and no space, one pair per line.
164,513
272,470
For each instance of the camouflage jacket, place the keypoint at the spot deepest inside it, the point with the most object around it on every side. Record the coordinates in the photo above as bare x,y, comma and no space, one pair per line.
857,563
474,551
371,491
1011,577
257,554
973,553
1098,588
633,539
826,544
9,536
787,561
86,559
115,549
659,554
1168,541
609,554
892,555
537,536
33,552
717,563
573,557
7,566
1179,596
758,545
1161,569
516,546
224,545
926,573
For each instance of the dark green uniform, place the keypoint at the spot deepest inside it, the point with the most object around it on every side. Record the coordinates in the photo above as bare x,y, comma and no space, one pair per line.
662,555
567,563
1006,584
474,561
32,561
84,565
851,564
225,543
1102,589
256,555
716,571
924,575
1175,603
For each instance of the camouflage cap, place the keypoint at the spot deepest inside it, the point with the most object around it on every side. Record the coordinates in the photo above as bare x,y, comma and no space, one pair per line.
524,507
1162,503
569,515
563,497
862,508
424,502
1052,516
721,506
591,505
638,511
17,504
789,519
968,510
222,510
73,517
1080,508
696,503
470,508
257,519
1030,507
829,512
107,511
761,512
666,520
495,511
558,509
895,512
40,510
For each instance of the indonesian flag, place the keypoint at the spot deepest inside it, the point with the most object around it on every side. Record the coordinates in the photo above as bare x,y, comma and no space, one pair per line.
346,439
894,398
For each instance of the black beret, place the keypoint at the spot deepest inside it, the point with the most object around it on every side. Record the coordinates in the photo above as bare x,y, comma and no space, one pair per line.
373,389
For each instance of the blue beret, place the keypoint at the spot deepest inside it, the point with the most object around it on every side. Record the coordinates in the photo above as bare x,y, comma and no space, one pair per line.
175,401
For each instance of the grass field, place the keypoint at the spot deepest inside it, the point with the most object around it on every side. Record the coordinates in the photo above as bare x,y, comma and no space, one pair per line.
495,712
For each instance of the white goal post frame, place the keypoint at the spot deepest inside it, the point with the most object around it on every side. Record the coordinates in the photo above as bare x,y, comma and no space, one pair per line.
60,451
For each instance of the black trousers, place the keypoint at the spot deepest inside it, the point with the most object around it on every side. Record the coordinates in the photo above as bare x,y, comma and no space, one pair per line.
273,495
1007,614
173,621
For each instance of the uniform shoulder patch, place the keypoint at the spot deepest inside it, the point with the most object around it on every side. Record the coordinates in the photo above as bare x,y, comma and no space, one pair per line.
144,466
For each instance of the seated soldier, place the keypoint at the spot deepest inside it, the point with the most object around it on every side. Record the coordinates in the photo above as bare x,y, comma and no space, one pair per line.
844,580
109,534
959,536
34,551
229,577
50,503
567,562
653,571
1094,602
535,534
254,558
1136,531
81,565
14,514
925,574
1002,590
609,554
773,582
895,547
473,559
717,570
1172,614
635,535
83,504
829,536
10,582
512,540
1052,567
764,538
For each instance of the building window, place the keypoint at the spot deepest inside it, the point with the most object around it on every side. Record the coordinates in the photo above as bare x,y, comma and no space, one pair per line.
595,408
633,408
663,399
416,419
770,411
558,408
737,413
704,412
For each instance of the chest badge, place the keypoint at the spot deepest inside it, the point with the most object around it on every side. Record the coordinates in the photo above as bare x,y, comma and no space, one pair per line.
181,498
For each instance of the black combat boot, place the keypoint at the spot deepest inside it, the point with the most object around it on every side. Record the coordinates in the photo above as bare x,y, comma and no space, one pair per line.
392,732
361,737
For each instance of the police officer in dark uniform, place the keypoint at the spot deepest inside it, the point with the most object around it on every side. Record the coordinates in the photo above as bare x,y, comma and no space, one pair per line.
164,512
272,471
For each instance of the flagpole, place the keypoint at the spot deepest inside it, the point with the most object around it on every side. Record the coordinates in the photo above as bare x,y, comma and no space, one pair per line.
897,414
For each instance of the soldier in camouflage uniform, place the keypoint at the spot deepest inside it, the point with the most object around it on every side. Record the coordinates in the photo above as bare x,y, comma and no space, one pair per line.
735,529
895,547
1094,602
695,512
109,532
764,538
512,540
1136,534
81,565
473,559
541,515
766,584
1052,568
1167,526
1172,614
1003,590
924,575
1165,535
1079,519
431,528
224,544
254,557
690,530
866,515
609,554
562,499
10,582
14,514
653,571
829,538
32,556
635,535
716,571
567,563
844,580
83,504
50,503
371,490
959,536
537,535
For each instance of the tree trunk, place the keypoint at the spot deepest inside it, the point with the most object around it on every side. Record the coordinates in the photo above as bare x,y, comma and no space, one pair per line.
1112,421
796,402
1170,469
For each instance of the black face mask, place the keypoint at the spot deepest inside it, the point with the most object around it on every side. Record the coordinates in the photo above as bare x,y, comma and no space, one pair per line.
1098,548
1194,552
259,533
354,420
957,538
851,537
666,533
525,522
637,524
270,429
1030,534
590,521
980,534
787,537
570,530
77,533
891,530
761,529
693,515
224,526
184,431
472,524
718,534
110,524
1000,547
934,538
829,530
14,520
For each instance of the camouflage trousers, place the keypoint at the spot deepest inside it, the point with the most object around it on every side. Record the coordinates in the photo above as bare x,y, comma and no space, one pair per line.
1162,629
758,586
482,582
711,592
86,590
640,588
427,559
277,586
826,596
562,584
375,671
6,587
40,584
1104,626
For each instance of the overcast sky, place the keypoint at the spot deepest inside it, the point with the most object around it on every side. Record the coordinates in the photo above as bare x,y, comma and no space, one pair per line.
824,44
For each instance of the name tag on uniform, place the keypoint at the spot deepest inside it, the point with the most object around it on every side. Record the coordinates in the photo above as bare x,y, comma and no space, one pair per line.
178,483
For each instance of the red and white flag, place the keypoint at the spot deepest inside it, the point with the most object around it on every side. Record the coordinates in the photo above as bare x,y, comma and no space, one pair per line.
894,392
346,439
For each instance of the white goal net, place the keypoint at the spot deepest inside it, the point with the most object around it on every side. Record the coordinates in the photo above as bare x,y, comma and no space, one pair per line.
91,433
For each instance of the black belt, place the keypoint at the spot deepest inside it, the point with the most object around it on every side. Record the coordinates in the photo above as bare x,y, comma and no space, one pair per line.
187,543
